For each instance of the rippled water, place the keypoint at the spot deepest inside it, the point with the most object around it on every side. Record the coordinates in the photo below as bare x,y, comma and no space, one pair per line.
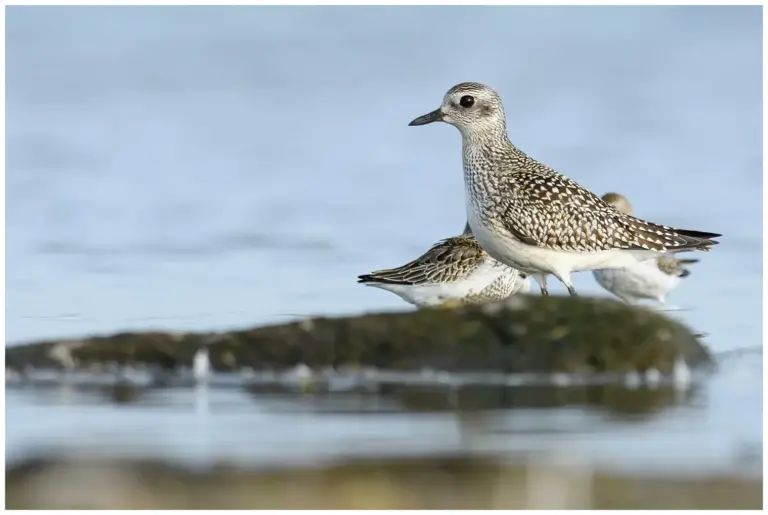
207,168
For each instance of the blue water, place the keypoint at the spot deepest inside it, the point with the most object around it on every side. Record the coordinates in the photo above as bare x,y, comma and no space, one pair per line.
206,168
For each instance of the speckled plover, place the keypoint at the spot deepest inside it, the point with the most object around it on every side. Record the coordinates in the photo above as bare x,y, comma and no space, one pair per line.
528,216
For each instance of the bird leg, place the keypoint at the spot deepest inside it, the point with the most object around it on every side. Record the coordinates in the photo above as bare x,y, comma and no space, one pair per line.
566,280
542,280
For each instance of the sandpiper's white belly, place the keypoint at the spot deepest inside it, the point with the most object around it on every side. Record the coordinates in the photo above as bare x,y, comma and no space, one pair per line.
504,247
642,280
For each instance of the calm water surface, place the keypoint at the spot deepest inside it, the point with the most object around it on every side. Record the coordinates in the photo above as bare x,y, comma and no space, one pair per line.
715,425
210,168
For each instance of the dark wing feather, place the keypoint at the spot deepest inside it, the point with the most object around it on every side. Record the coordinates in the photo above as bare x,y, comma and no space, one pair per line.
552,211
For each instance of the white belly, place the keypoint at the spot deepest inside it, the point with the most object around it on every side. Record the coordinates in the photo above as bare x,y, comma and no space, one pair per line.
432,294
640,281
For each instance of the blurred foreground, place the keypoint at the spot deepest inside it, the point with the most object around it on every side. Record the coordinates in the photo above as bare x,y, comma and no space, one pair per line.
429,439
434,483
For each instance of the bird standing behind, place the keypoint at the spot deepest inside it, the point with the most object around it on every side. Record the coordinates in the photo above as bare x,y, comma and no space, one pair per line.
651,279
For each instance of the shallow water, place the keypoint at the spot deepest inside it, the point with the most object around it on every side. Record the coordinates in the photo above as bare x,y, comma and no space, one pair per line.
713,425
208,168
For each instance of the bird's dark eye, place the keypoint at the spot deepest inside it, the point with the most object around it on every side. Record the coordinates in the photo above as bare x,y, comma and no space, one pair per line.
467,101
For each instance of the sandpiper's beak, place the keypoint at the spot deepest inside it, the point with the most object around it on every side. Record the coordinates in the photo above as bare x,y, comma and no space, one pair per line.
434,116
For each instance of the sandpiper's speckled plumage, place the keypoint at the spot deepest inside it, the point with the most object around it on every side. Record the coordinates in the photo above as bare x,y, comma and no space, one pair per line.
652,279
454,269
532,218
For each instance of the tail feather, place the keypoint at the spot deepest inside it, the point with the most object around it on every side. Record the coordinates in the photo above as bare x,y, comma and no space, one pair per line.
368,278
381,279
684,272
698,234
661,238
698,240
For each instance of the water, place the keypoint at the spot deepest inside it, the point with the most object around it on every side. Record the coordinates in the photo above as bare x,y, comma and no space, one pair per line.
209,168
715,425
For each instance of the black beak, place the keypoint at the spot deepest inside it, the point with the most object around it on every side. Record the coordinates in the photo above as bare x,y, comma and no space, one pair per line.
434,116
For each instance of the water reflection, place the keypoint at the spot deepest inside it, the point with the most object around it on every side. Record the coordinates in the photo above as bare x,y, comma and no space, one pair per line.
267,419
618,400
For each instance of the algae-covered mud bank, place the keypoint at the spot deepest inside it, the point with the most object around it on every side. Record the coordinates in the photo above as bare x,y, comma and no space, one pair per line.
520,334
449,482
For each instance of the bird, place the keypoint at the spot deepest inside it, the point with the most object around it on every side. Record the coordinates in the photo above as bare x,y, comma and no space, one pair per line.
650,279
532,218
454,271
